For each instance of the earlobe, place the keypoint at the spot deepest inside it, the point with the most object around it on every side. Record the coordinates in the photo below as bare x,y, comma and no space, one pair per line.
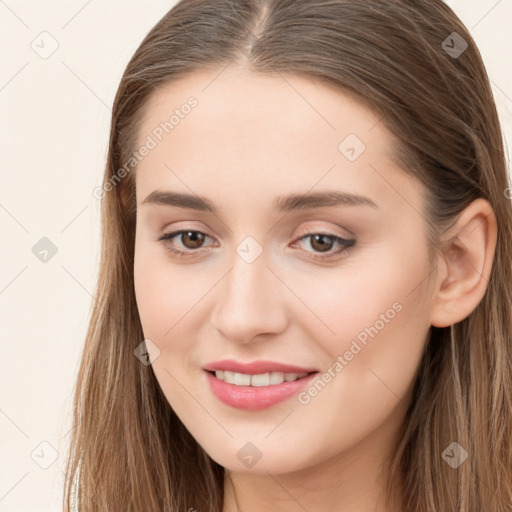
465,264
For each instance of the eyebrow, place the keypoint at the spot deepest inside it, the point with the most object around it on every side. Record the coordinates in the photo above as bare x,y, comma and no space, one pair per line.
288,203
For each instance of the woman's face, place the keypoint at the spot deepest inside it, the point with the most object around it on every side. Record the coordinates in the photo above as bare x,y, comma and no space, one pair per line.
336,284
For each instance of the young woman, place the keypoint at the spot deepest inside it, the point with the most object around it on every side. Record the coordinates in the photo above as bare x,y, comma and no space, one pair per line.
304,298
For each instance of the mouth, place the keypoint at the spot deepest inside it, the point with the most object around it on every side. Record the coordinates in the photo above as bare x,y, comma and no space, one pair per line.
253,392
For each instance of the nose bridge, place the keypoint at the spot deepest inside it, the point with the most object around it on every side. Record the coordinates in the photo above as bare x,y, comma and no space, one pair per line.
249,302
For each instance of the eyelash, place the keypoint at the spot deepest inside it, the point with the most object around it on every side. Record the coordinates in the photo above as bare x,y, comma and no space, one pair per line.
347,245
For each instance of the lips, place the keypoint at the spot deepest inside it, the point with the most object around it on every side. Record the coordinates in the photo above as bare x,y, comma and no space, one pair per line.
256,367
251,398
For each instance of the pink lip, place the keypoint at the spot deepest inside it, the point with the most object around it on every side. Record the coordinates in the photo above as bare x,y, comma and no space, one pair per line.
256,367
254,398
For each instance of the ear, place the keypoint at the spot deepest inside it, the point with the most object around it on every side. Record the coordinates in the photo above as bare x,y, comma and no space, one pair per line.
465,264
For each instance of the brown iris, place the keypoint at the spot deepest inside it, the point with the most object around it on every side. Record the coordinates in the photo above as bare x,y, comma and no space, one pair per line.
196,238
318,242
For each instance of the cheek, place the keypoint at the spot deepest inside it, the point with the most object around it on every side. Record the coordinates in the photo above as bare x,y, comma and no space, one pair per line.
381,323
373,313
170,297
161,296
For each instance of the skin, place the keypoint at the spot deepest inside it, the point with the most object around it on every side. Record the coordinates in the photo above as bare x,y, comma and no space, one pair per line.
250,139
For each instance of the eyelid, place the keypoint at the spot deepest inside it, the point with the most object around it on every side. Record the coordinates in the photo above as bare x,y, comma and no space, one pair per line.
314,230
332,226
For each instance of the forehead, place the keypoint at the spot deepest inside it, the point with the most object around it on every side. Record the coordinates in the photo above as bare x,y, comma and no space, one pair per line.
252,134
251,102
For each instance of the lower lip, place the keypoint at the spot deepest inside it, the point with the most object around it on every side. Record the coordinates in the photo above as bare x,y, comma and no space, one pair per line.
254,398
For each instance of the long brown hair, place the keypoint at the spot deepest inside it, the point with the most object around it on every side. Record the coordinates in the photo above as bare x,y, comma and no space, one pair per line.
129,451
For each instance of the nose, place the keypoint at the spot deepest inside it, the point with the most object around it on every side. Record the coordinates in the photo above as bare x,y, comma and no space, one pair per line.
250,301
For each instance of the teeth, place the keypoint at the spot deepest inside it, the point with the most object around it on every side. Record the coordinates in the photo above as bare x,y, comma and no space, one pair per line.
263,379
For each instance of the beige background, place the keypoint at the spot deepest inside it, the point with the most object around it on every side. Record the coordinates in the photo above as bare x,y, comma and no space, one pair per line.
53,134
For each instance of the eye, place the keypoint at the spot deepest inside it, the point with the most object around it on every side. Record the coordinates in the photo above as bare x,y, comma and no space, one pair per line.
323,243
192,239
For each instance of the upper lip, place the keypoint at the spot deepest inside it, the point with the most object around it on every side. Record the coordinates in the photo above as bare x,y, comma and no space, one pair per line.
255,367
